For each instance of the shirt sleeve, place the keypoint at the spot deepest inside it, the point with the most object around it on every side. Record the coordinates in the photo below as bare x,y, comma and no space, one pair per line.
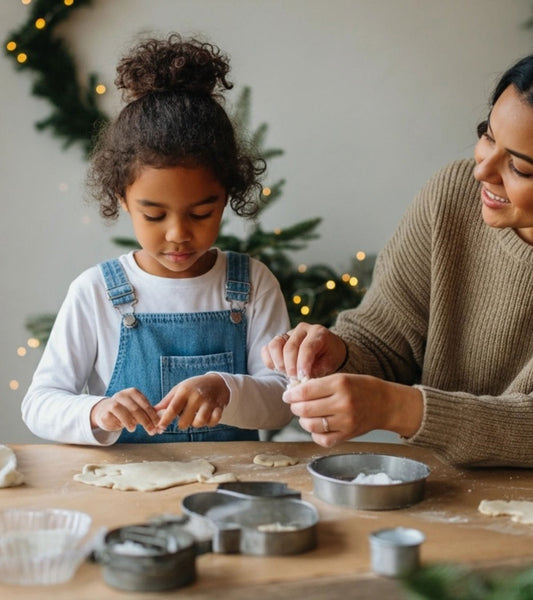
255,399
56,406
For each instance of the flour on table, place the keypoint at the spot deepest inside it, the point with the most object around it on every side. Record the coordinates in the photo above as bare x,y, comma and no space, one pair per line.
146,476
375,479
275,460
520,511
9,476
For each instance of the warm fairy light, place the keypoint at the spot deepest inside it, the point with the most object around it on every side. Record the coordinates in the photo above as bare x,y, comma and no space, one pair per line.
353,281
25,1
297,299
267,191
345,277
330,284
21,351
11,46
33,343
360,255
302,268
305,310
68,2
40,23
22,57
100,89
277,231
14,384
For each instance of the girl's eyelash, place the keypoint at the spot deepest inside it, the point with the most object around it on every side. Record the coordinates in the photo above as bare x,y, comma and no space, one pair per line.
149,218
200,217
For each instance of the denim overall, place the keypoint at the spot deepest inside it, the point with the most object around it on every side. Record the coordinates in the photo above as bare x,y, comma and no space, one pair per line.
159,350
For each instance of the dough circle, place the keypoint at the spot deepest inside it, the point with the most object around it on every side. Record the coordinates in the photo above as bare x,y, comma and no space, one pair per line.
146,476
520,511
275,460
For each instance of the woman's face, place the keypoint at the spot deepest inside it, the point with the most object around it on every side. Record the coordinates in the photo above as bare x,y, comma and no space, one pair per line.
504,157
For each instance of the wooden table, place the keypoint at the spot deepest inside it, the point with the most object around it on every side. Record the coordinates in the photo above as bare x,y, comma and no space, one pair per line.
340,565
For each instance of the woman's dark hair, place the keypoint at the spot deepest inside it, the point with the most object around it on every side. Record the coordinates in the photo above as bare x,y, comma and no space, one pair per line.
520,75
173,117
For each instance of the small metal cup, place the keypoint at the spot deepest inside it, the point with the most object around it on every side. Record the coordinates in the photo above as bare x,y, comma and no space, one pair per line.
395,552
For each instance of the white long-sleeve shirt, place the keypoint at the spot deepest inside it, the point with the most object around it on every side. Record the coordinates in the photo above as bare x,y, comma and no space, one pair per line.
79,357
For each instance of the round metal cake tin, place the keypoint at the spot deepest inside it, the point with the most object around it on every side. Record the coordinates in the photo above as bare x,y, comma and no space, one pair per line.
333,480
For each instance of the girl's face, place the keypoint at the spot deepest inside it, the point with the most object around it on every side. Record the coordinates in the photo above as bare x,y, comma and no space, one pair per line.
176,214
504,157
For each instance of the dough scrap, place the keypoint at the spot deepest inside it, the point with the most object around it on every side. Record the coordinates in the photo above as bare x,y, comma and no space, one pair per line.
9,476
219,478
375,479
275,460
145,476
520,511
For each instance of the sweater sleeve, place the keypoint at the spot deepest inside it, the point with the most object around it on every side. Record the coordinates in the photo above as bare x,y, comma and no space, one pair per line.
255,399
56,406
386,333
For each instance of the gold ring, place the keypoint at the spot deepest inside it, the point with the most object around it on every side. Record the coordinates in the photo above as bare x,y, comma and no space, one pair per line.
325,425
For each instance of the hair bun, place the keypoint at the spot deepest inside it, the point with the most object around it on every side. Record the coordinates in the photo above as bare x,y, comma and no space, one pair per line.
170,65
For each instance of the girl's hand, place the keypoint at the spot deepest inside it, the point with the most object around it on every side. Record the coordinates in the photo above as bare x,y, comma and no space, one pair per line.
339,407
198,401
126,409
307,351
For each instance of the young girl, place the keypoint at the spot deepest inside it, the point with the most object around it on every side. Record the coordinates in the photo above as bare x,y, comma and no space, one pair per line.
164,344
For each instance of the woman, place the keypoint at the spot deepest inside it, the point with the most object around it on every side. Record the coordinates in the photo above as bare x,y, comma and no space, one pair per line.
440,350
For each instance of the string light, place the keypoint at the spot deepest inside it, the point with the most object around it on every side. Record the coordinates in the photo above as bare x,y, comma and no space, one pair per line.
353,281
40,23
277,231
22,57
11,46
305,310
267,191
345,277
360,255
100,89
302,268
14,385
330,284
68,2
21,351
33,343
26,1
297,299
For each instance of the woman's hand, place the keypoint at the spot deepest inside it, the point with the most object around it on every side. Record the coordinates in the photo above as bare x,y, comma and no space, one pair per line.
339,407
304,352
198,401
126,409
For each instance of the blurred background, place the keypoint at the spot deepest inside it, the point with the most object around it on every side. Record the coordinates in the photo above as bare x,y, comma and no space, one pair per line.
366,98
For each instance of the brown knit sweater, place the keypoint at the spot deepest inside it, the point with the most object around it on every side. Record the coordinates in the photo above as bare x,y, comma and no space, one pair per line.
450,310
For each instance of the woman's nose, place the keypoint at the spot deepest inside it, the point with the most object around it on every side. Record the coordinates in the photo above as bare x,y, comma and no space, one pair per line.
488,166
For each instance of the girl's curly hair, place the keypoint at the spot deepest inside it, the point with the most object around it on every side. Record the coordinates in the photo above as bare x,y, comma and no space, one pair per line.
173,117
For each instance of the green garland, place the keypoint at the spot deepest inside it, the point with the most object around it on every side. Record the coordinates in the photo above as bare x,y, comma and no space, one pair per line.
34,47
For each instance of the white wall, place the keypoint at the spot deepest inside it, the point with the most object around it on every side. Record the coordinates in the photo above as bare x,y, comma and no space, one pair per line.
366,97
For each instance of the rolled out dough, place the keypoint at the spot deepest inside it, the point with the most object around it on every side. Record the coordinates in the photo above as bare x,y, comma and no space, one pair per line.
275,460
520,511
9,476
146,476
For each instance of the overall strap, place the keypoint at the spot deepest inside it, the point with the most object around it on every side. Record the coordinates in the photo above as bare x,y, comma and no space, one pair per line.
237,283
119,290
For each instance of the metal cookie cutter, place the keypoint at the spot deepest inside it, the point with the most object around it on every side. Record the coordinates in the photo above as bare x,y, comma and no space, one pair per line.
260,518
147,557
